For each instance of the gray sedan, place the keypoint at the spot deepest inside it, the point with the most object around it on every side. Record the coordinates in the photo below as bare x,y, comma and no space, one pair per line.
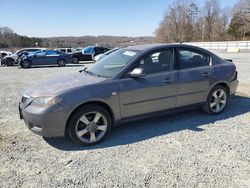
131,83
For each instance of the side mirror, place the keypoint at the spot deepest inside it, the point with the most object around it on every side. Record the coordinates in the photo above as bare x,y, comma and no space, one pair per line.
137,73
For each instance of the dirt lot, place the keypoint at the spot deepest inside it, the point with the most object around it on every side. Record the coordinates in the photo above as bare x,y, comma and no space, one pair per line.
188,149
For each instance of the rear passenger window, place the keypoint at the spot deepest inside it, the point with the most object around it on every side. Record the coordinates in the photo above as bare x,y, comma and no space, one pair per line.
190,59
156,62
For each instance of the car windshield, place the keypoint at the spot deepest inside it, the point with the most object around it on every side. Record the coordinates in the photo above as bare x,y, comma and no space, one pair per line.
111,65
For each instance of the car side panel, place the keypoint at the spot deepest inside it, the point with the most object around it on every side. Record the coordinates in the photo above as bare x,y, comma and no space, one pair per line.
193,87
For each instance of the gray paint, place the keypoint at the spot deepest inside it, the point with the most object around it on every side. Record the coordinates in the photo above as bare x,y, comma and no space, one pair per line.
126,97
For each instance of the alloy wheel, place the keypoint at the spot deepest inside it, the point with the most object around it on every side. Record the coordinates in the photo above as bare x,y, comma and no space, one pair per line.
91,127
218,100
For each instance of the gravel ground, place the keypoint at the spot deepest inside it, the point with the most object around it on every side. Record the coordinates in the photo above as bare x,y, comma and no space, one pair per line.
188,149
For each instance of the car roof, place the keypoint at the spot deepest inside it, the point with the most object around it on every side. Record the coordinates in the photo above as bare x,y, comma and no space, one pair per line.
156,46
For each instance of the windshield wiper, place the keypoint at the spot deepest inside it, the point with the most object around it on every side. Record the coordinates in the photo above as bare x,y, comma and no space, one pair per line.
89,72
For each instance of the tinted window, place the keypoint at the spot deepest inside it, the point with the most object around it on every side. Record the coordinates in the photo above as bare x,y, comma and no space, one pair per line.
51,52
40,53
190,59
69,50
63,50
160,61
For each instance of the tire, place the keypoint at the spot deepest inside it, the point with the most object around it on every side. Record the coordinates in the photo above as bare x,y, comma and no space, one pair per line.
217,100
61,63
89,125
75,60
25,64
10,62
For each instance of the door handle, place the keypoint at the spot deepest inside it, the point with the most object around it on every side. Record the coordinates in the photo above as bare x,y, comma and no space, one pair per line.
205,74
167,80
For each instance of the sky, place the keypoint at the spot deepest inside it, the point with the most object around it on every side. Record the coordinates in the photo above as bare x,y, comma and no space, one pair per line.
49,18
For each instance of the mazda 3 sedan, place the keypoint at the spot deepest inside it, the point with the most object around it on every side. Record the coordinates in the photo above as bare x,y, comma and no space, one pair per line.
131,83
45,57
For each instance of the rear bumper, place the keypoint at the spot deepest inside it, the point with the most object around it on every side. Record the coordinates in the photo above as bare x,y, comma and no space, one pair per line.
44,122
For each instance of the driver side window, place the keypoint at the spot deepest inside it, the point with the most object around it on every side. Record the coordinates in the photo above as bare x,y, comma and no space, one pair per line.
156,62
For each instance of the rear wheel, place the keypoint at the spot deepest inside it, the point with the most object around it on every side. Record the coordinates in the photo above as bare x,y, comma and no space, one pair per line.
217,100
89,125
61,63
75,60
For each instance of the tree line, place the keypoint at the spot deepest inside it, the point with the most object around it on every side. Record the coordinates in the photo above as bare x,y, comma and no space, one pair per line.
183,21
9,39
186,21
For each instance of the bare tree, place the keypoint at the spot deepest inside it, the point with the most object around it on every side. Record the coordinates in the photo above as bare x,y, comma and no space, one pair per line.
178,22
211,11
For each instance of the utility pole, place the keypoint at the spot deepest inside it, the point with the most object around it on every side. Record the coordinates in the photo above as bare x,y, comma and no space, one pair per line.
203,31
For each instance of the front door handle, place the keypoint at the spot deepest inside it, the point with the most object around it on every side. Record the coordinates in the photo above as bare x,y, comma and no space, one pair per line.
205,74
167,80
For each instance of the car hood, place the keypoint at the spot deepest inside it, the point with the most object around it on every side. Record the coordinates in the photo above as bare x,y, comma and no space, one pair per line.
14,56
61,84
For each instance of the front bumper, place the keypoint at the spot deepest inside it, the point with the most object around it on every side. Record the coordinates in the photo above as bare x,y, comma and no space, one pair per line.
44,122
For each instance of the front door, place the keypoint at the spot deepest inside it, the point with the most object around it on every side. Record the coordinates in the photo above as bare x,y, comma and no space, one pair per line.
153,92
39,58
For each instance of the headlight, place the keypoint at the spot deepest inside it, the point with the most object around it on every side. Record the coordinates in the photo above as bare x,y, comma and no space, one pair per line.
45,101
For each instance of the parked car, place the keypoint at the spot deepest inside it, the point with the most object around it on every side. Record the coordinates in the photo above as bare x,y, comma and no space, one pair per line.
131,83
2,55
46,57
65,50
5,53
100,56
14,59
88,53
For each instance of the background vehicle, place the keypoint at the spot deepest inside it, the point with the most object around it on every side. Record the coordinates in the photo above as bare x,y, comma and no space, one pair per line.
5,53
88,53
131,83
13,59
65,50
46,57
2,55
100,56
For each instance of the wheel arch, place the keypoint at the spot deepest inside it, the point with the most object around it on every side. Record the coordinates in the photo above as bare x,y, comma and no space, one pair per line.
99,103
221,83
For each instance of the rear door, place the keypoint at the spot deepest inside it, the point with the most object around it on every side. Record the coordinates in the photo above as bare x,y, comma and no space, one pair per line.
156,91
52,57
194,76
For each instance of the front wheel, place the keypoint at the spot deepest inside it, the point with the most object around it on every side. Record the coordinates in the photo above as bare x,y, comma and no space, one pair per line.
25,64
10,62
89,125
217,100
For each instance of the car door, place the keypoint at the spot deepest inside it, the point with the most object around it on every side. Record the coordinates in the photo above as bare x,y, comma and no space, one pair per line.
194,75
39,58
52,57
153,92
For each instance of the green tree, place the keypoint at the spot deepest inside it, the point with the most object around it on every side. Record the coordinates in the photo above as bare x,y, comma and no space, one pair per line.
236,26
